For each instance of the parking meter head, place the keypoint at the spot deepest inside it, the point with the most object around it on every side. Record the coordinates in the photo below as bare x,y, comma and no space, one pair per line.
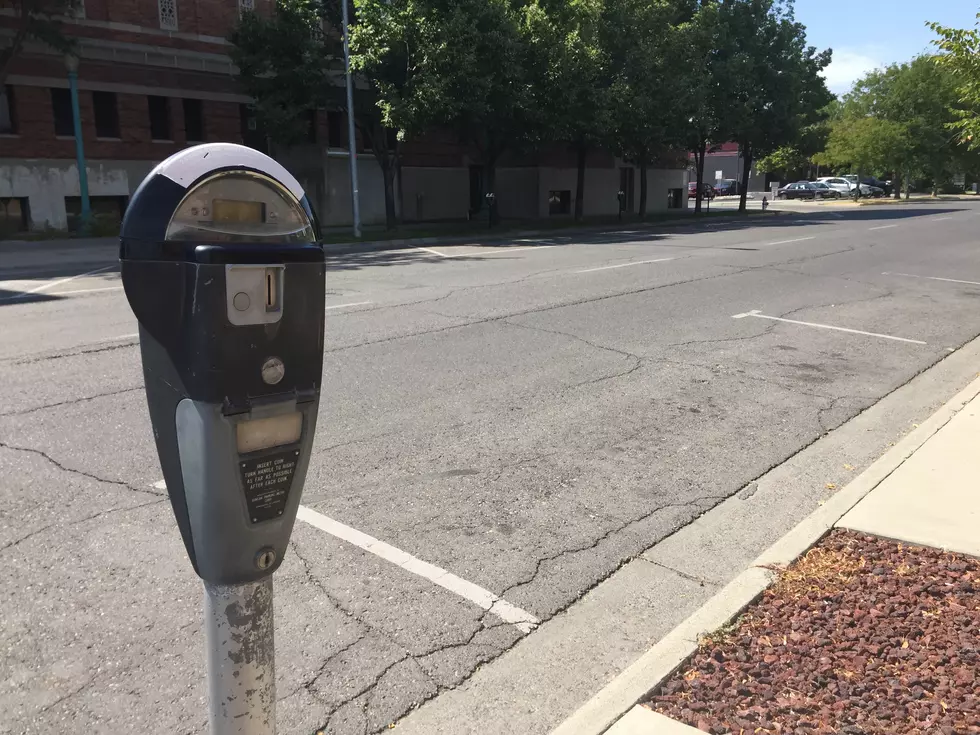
221,266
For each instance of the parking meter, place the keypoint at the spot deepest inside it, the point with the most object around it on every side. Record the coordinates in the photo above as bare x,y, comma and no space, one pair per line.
221,266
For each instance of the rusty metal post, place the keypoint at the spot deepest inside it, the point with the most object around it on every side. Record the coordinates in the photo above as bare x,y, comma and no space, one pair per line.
241,658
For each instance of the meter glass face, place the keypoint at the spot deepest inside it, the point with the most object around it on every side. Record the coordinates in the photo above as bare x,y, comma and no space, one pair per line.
240,206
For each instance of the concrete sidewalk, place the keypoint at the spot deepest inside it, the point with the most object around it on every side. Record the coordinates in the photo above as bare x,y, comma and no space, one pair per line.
929,496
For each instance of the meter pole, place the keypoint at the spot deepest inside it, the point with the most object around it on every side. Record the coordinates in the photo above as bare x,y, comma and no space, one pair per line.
241,658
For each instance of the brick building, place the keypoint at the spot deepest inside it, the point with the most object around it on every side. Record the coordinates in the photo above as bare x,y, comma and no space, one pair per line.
155,76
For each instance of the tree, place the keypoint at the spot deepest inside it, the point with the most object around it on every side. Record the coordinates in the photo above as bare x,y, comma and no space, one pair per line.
648,48
773,88
290,66
465,66
961,55
703,104
35,20
573,92
898,120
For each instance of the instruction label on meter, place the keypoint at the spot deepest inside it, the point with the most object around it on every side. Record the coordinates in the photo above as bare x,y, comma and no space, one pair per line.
266,481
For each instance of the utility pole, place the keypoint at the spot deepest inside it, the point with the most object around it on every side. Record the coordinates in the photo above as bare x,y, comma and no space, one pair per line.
85,221
351,141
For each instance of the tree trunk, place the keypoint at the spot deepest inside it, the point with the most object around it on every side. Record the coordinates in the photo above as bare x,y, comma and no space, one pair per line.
491,169
896,185
699,164
908,183
746,170
581,150
388,173
643,187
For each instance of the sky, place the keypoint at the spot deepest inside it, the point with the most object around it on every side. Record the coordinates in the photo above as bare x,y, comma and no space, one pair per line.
868,34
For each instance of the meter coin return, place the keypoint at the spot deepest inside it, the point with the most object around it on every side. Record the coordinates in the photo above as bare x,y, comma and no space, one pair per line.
221,266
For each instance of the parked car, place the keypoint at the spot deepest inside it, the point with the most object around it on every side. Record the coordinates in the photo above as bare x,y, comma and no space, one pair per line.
825,191
801,190
707,190
726,187
837,183
874,183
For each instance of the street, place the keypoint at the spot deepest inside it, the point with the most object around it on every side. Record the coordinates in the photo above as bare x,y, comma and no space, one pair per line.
501,428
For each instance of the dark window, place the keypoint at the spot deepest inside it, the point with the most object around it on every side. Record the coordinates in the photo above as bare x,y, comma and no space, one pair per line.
106,114
251,133
107,211
8,113
560,202
13,215
159,118
194,120
336,130
61,107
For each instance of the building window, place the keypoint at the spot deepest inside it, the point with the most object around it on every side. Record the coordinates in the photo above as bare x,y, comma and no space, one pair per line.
246,6
194,121
61,107
336,130
75,9
8,113
168,14
560,202
106,114
159,118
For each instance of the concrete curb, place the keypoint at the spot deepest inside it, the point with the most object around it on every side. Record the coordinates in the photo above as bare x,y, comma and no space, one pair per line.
353,248
616,698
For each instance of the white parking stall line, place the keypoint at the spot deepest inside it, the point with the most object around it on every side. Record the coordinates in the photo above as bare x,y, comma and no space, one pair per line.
88,290
520,619
882,227
344,306
624,265
758,315
483,598
506,251
52,284
941,219
433,252
932,278
796,239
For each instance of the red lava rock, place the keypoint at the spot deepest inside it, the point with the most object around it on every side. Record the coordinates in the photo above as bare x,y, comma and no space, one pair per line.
862,636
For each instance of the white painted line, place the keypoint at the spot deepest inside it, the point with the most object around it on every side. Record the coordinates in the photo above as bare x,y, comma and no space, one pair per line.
343,306
797,239
122,337
87,290
505,251
624,265
932,278
520,619
484,598
52,284
940,219
883,227
755,313
433,252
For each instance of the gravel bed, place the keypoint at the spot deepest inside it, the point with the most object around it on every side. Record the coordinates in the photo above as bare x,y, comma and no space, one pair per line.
860,636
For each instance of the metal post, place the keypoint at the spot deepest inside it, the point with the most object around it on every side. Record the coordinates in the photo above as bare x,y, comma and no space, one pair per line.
351,142
241,658
83,226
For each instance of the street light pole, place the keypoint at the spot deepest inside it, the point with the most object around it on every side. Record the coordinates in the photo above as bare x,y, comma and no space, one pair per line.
351,142
71,61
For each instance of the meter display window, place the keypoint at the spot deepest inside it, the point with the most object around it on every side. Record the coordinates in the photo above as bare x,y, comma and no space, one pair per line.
240,206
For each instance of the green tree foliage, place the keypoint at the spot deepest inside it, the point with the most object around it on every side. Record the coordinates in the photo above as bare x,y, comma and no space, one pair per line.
650,56
897,120
34,20
290,65
961,55
772,87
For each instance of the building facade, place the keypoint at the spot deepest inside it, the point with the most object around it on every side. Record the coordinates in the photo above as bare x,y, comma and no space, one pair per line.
725,162
155,76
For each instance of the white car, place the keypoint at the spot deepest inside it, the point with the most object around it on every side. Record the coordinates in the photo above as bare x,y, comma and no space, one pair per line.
837,183
846,184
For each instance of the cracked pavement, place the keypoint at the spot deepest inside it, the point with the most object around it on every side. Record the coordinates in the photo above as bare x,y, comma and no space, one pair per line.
527,421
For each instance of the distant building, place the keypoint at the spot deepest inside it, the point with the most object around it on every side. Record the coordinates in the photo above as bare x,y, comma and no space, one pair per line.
154,78
724,161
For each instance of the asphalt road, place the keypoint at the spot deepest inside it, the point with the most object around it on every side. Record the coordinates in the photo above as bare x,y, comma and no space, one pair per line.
520,418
